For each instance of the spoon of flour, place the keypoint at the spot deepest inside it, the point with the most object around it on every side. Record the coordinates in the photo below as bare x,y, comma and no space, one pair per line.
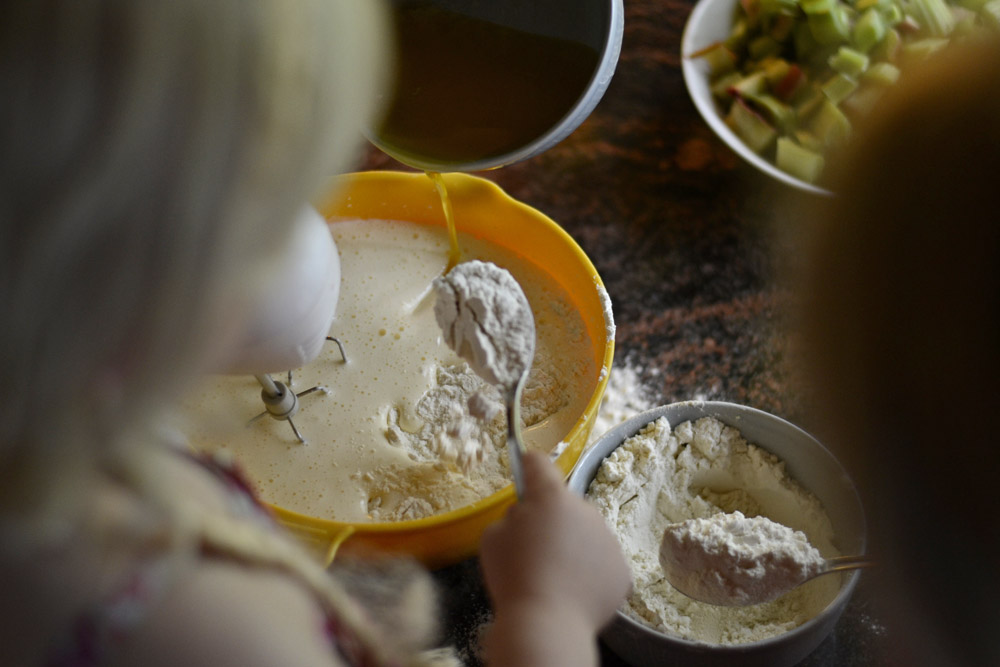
487,320
736,561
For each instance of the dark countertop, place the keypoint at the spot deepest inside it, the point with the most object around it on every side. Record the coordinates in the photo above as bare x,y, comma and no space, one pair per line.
688,240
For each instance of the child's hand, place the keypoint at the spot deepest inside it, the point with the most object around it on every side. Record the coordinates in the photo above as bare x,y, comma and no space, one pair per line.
553,569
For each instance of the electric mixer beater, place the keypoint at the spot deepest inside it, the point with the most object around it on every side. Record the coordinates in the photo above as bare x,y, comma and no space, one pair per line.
293,318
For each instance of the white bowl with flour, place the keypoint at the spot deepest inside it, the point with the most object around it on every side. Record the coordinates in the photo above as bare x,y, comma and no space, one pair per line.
671,463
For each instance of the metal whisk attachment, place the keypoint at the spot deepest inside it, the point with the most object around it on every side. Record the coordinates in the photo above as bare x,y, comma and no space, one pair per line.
280,402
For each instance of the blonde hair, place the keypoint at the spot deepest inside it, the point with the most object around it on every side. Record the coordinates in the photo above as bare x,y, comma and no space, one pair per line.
153,155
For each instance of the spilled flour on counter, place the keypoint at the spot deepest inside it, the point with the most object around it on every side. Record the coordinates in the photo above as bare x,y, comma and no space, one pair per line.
624,397
665,475
730,559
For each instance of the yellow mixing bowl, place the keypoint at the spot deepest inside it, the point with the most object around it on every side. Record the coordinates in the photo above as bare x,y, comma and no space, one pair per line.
486,212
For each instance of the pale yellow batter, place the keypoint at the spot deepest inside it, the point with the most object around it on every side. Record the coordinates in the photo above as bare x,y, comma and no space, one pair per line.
370,453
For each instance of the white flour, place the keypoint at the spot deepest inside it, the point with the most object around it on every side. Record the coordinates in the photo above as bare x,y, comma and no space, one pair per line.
444,427
624,397
730,559
487,320
663,476
461,420
607,309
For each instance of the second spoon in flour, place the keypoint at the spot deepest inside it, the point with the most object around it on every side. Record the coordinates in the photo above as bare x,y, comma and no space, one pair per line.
487,320
732,560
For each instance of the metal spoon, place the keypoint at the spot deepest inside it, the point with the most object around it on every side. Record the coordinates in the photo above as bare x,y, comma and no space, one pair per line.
486,318
735,582
703,590
515,445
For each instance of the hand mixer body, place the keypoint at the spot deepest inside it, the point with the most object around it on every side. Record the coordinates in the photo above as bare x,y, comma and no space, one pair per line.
293,315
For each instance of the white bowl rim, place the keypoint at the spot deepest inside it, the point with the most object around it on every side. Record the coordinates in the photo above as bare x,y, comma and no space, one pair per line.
701,31
616,436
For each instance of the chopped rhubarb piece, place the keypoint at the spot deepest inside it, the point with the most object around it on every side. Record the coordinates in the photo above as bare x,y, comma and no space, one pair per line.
790,83
751,127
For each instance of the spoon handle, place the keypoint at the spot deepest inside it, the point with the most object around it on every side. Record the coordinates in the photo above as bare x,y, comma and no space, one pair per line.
838,563
515,446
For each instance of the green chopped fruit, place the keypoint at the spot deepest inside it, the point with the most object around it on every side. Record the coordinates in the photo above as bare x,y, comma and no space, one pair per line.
719,58
863,5
752,10
751,127
888,49
774,69
790,84
882,73
796,73
990,14
749,85
893,15
763,46
810,104
849,62
838,87
776,112
720,87
738,35
934,17
808,141
817,6
863,100
830,125
782,27
773,7
869,30
924,48
798,161
832,27
803,40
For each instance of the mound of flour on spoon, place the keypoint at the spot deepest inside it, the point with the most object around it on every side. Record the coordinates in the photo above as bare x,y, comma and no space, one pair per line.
733,560
487,320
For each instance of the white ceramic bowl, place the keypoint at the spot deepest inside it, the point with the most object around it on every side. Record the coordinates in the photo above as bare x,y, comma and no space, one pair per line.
808,462
710,21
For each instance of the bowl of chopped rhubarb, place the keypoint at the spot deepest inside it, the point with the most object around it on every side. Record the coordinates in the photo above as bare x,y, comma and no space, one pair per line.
782,82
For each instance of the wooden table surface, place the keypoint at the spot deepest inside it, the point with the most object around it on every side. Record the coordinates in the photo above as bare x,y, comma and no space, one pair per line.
688,240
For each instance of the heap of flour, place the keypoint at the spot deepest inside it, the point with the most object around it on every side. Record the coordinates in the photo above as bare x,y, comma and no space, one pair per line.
662,476
733,560
487,320
624,397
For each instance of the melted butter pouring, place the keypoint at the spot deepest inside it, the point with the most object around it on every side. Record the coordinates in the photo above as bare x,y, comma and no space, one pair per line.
455,252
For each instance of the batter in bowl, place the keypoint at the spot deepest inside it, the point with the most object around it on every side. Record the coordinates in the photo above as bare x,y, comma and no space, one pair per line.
373,449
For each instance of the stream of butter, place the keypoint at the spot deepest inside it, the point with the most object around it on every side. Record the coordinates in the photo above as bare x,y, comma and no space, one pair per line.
352,469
